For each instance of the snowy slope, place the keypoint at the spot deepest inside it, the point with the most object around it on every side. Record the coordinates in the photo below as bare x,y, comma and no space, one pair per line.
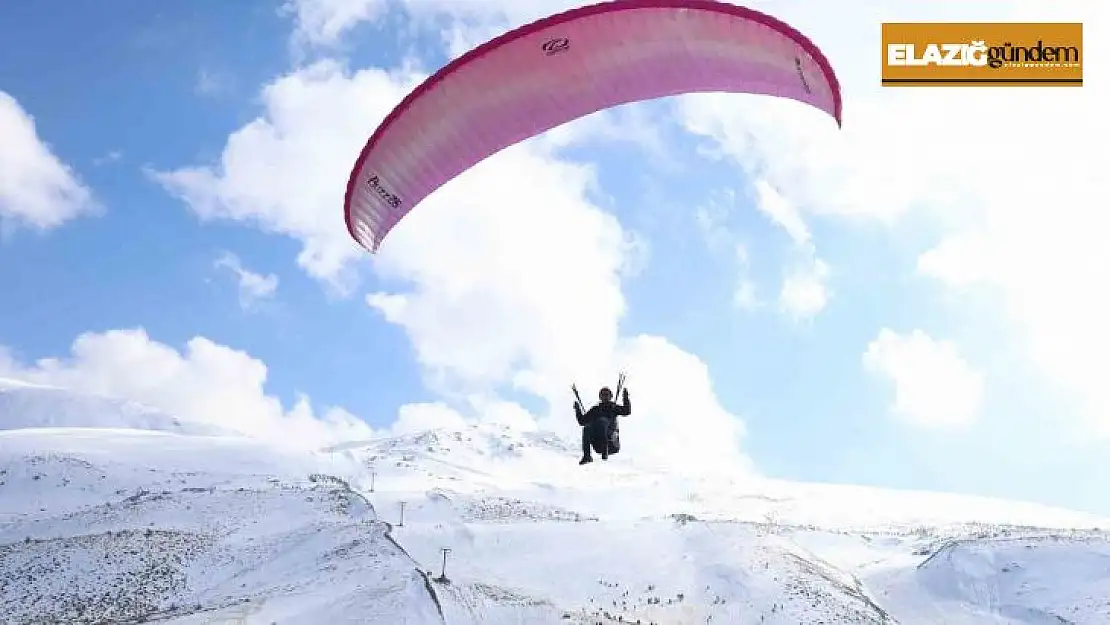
498,459
1029,577
140,525
114,525
525,523
24,405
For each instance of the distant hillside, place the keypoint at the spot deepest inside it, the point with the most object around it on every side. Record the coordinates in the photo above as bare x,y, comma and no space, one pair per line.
25,405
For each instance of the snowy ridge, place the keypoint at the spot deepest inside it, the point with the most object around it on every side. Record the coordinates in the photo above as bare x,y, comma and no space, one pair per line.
125,525
542,468
25,405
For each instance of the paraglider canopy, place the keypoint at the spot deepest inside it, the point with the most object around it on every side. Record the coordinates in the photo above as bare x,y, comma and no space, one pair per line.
564,67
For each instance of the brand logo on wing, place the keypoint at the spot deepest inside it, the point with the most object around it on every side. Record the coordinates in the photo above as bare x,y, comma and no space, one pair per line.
802,74
375,183
551,47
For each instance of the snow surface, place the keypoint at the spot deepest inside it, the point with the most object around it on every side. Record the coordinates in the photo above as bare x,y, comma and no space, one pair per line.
118,519
25,405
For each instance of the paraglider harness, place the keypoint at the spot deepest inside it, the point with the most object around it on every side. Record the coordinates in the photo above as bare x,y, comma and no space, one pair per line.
612,439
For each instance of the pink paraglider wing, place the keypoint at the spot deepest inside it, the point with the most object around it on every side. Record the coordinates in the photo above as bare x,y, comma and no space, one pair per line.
564,67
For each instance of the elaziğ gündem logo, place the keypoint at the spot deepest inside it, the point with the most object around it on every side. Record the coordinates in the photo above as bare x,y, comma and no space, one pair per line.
987,54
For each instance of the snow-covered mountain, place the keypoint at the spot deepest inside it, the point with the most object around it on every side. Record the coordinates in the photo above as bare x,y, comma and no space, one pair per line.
24,405
153,524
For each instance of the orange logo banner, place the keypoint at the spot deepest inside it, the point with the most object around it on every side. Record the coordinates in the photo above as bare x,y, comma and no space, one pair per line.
982,55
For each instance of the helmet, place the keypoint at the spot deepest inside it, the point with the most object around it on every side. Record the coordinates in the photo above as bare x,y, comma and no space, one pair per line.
605,394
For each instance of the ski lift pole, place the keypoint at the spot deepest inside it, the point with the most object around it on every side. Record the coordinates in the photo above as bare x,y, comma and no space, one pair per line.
443,571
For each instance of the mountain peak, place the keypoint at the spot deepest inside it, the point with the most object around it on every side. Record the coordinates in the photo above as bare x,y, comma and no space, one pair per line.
489,440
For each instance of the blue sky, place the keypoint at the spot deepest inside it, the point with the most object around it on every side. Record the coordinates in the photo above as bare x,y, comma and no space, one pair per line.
998,395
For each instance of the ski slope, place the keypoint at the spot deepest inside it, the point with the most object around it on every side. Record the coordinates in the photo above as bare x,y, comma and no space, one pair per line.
148,520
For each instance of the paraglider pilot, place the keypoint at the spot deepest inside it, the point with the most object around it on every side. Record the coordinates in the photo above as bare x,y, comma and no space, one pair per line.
599,424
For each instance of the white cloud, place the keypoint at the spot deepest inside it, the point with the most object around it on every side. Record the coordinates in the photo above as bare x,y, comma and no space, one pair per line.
868,169
508,13
782,212
1037,237
675,410
478,317
206,383
324,22
413,418
959,260
111,157
253,287
1009,176
1053,277
933,385
634,124
712,221
286,172
37,189
495,410
804,290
